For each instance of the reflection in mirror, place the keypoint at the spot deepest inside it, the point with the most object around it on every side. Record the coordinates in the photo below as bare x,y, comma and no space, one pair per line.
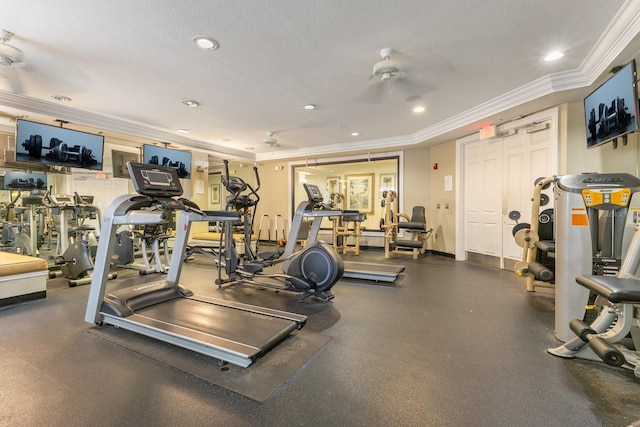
353,185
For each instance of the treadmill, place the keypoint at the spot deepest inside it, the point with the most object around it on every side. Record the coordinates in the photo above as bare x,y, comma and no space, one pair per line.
372,271
315,210
165,310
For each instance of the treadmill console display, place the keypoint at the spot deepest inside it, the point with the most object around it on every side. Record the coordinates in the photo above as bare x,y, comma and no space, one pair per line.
313,193
154,180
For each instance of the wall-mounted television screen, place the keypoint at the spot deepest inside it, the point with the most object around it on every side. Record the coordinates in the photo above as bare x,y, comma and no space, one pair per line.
180,160
46,144
612,109
25,181
119,161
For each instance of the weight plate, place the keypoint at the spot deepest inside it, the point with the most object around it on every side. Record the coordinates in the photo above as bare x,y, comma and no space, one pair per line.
514,215
519,227
544,200
526,238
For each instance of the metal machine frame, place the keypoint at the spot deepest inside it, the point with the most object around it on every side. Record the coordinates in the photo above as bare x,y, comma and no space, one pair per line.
230,331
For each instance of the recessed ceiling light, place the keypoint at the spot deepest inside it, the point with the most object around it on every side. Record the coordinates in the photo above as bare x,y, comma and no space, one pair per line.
61,98
553,56
182,130
205,43
190,103
355,133
309,106
419,109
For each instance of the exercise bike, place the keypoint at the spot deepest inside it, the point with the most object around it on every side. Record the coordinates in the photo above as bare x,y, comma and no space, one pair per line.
75,263
311,271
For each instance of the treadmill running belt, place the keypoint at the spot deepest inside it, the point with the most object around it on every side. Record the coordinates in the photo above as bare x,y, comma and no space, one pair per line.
251,329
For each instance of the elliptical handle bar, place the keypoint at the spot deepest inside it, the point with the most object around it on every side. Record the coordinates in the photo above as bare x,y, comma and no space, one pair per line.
226,170
255,172
46,198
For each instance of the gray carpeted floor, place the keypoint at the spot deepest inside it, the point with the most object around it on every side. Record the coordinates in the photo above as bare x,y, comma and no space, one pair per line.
452,344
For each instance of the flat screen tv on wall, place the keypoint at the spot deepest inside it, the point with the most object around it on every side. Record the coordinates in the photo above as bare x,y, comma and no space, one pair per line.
25,181
611,111
119,161
46,144
180,160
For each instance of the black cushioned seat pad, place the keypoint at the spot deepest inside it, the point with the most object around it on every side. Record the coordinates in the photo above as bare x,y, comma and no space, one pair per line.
412,225
615,289
546,245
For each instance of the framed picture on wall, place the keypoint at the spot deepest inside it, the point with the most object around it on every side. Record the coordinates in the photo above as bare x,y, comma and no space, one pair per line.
215,194
387,181
333,185
360,192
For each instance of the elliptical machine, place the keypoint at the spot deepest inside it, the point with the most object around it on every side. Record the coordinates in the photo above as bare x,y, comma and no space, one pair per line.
311,271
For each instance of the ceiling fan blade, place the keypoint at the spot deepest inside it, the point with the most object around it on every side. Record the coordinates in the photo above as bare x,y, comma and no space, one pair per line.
13,79
374,93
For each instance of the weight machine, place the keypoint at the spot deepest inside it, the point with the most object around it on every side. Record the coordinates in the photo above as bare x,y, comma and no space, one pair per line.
341,226
614,336
537,264
595,219
415,226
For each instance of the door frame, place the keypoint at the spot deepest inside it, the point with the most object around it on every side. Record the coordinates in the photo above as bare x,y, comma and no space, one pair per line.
550,115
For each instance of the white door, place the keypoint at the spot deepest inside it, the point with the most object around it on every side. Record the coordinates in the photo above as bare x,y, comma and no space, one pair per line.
528,155
497,177
483,188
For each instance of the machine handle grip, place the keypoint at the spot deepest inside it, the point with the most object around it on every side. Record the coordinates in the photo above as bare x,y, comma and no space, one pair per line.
226,170
255,172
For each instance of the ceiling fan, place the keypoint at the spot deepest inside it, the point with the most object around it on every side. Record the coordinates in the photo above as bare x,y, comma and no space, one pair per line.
11,58
404,79
270,141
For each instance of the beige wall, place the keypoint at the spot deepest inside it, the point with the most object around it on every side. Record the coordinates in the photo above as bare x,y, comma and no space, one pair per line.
417,180
274,197
442,209
576,158
420,183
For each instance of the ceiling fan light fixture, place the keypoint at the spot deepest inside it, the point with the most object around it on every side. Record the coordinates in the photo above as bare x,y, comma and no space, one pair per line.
419,109
271,142
386,69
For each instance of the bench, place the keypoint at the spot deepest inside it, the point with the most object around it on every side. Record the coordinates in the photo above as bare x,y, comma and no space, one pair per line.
22,278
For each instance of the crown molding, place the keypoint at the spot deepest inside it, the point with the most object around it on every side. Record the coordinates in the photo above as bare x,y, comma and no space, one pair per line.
619,33
109,123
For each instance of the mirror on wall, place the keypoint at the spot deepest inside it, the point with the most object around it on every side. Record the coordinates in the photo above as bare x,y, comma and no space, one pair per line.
351,185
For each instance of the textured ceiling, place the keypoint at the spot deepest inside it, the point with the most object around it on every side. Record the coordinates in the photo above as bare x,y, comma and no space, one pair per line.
127,65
